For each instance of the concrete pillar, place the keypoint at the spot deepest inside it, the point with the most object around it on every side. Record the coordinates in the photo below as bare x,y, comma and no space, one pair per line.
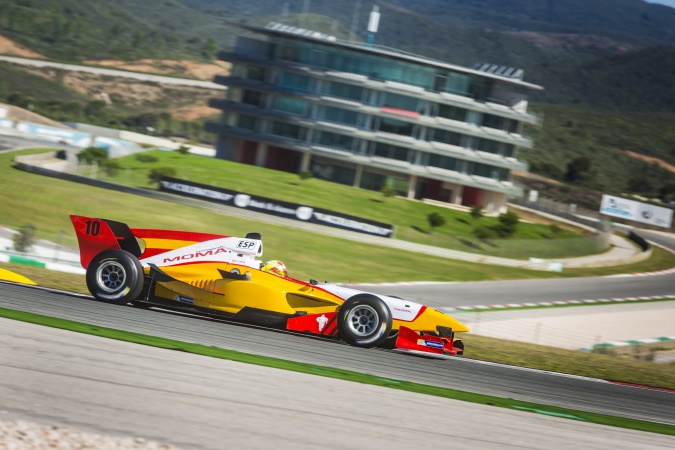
456,196
261,155
304,162
357,175
412,187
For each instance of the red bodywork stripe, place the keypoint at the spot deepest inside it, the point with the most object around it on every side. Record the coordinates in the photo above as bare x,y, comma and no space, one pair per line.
323,324
176,235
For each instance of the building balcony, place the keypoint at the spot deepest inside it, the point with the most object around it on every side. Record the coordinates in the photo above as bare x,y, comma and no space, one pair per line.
494,106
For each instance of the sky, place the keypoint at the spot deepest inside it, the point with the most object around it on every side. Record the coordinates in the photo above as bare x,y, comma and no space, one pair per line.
670,3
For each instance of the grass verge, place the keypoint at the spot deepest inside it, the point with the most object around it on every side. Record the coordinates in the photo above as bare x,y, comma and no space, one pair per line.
341,374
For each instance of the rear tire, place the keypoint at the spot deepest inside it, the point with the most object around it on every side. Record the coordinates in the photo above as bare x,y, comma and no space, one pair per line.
364,321
115,276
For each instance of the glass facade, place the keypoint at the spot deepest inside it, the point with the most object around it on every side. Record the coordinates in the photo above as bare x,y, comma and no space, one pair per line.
292,92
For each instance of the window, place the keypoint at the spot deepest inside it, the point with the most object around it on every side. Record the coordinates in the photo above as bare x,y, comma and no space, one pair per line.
392,152
295,81
443,162
252,98
400,102
343,90
395,126
287,130
256,73
485,170
246,121
336,140
447,137
457,84
291,105
452,112
340,115
324,170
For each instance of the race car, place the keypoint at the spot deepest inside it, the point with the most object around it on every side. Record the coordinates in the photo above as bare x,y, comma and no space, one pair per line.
221,276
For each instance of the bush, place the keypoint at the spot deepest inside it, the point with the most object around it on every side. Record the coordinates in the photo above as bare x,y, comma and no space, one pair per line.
183,149
554,229
476,212
111,167
507,224
483,232
388,191
435,219
156,174
145,158
305,174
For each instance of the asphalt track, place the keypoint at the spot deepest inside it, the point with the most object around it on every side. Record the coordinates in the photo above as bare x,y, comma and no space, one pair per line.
532,291
458,373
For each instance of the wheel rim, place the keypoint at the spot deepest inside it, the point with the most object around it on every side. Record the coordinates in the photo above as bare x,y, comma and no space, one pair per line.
110,276
363,320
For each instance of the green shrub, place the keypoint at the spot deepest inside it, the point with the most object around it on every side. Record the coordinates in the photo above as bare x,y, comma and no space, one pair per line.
145,158
483,232
156,174
305,174
183,149
435,219
476,212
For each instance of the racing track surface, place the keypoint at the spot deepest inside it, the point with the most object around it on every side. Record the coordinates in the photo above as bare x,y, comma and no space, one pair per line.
521,291
457,373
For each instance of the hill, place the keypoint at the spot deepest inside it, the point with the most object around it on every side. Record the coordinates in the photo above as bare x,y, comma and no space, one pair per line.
574,48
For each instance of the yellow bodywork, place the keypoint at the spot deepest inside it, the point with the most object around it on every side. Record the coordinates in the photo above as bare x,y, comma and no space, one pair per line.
205,286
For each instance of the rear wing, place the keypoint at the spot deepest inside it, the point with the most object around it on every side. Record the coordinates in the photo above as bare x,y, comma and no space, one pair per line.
95,235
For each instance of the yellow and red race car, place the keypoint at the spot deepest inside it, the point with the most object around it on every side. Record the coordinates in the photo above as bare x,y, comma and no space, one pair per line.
220,276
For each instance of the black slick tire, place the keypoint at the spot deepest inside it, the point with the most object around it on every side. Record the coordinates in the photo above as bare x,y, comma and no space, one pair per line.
115,276
364,321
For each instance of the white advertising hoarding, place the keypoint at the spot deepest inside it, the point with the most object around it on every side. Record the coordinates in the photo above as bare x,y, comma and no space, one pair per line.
638,211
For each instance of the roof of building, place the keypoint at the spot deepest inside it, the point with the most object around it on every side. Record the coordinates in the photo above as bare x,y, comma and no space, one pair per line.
276,29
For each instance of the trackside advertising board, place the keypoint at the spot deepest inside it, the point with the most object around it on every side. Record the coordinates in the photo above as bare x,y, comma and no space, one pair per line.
275,207
638,211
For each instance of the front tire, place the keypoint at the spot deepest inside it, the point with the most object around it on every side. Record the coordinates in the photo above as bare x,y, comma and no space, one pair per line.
364,321
115,276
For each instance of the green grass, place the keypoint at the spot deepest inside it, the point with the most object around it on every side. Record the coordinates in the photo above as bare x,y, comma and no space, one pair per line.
408,217
330,372
46,203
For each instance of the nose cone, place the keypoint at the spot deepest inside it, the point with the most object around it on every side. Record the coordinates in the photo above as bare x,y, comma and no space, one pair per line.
446,320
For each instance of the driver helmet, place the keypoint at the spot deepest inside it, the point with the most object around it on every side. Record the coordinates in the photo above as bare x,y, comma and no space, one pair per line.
275,267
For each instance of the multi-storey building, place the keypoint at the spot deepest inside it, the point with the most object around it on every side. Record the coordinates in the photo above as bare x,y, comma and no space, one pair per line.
372,117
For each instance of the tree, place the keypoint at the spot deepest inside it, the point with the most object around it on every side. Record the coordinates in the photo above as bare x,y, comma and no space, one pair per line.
209,49
578,169
435,219
24,239
93,155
